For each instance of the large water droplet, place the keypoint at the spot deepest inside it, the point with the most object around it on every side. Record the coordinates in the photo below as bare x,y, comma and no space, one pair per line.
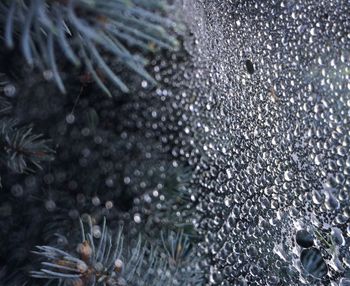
313,262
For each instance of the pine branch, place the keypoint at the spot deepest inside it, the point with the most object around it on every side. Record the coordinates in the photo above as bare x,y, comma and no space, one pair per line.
84,31
182,263
21,150
102,261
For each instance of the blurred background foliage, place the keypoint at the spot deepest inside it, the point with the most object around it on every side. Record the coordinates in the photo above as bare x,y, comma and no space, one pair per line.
71,153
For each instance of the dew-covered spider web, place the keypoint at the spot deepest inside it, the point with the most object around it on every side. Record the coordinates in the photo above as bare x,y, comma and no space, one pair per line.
267,130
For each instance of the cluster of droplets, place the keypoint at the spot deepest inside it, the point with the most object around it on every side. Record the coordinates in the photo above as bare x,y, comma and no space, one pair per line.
266,98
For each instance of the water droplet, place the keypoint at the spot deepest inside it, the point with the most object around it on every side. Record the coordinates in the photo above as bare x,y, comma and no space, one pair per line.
313,262
249,66
304,238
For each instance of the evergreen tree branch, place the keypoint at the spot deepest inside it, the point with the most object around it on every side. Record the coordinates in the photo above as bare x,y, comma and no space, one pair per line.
105,260
21,150
84,31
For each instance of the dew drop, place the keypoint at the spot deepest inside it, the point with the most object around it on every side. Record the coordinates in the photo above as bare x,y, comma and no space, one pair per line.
249,66
313,262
